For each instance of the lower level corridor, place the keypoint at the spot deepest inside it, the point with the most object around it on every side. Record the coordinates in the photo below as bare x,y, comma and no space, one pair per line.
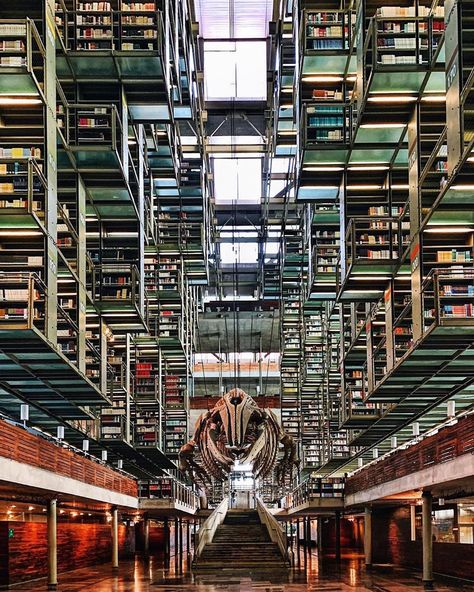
312,575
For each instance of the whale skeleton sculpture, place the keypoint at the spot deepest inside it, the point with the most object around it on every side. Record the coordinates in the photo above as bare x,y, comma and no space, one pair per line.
237,429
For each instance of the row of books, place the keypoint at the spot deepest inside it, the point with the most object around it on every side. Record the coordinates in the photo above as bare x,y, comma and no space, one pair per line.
454,256
409,11
397,27
326,44
12,44
401,43
449,290
392,59
20,152
459,310
107,6
334,31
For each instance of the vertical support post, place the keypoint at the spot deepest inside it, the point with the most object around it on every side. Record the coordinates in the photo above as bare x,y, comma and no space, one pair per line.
115,538
146,536
413,523
320,536
427,540
368,536
188,537
338,535
52,544
167,542
176,537
128,386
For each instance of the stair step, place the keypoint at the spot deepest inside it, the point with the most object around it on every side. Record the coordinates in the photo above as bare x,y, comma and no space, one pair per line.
240,542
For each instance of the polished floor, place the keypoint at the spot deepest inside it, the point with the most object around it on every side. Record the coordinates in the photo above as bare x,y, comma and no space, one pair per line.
311,576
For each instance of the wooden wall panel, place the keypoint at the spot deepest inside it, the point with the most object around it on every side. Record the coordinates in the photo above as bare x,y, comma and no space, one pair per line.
18,444
448,444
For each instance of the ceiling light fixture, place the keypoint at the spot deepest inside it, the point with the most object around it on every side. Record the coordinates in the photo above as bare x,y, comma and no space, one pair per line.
392,99
19,101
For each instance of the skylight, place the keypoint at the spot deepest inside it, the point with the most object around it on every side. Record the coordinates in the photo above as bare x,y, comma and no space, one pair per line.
235,70
237,180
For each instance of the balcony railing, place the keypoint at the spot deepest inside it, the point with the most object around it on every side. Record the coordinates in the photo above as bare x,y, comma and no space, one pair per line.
446,445
326,123
25,51
109,30
22,300
313,489
374,239
168,488
448,297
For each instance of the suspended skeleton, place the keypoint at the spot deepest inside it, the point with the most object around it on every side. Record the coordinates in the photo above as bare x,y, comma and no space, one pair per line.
237,429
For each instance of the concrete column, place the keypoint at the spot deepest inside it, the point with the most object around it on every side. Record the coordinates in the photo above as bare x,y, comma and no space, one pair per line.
176,537
52,528
338,535
115,554
427,540
320,536
167,542
308,533
368,536
146,536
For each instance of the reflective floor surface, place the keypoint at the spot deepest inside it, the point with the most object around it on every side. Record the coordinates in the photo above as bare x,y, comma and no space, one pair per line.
312,575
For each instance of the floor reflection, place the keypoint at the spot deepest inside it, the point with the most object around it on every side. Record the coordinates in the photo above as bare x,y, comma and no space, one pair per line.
311,573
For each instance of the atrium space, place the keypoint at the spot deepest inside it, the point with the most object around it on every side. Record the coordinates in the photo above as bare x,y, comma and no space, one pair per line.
236,295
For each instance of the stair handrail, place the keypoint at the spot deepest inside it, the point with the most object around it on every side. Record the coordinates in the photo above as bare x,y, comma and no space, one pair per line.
275,531
208,529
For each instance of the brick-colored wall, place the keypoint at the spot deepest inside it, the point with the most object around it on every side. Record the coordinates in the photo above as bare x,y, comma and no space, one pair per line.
391,534
18,444
24,556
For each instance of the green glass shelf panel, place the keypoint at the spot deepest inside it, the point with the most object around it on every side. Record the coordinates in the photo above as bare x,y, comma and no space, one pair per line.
458,197
326,217
386,135
17,84
286,125
139,65
64,159
17,220
321,156
399,82
441,59
324,64
402,158
97,159
371,156
436,83
149,113
285,150
182,112
445,217
62,67
98,65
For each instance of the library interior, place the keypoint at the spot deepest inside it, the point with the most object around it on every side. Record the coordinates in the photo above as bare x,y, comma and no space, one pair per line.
237,295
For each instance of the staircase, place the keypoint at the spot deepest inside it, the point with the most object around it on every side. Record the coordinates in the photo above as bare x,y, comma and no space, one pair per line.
240,542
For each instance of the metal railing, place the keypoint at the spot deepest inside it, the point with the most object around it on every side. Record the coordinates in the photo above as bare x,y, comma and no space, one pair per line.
379,238
33,56
275,530
69,25
448,295
208,529
22,299
314,489
169,488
